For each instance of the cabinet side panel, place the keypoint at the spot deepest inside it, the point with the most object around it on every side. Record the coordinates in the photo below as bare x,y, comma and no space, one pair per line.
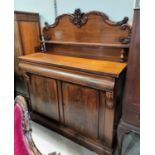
30,36
131,103
17,47
81,109
44,97
26,37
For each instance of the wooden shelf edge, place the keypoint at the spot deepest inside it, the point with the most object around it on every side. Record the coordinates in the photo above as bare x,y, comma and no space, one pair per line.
86,44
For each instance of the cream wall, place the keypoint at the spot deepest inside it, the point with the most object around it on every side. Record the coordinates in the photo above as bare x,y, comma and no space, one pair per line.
116,9
44,7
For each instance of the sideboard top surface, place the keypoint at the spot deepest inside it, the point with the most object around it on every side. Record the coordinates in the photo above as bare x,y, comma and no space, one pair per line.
109,68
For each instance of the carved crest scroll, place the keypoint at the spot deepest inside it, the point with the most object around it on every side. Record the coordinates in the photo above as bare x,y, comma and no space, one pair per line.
78,18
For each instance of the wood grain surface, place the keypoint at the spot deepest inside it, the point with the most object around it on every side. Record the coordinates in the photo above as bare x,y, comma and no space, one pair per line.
91,65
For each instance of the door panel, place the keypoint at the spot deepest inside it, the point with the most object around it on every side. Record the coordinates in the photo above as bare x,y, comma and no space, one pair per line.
44,97
81,109
30,36
27,40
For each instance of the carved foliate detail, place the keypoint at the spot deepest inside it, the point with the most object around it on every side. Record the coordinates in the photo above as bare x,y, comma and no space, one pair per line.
78,18
125,40
110,100
124,21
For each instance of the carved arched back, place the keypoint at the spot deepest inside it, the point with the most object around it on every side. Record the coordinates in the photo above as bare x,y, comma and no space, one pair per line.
92,27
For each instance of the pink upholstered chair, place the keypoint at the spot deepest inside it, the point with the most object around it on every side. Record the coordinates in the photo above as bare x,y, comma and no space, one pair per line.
23,142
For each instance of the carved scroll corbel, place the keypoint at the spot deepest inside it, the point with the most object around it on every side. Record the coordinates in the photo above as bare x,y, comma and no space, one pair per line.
110,100
125,40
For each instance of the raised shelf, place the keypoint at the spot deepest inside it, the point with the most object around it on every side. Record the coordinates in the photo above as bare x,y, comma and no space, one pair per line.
86,44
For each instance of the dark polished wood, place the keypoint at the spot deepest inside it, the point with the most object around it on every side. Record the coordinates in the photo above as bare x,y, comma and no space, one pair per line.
99,25
132,101
112,69
130,121
78,77
27,39
84,103
76,86
46,92
27,34
98,36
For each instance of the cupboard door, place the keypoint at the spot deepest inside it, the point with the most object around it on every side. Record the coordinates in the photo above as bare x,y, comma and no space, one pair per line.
81,109
44,97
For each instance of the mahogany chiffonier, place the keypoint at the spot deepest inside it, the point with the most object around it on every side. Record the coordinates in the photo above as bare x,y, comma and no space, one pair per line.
76,84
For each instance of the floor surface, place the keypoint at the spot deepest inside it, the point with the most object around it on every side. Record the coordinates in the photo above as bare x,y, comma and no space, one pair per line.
48,141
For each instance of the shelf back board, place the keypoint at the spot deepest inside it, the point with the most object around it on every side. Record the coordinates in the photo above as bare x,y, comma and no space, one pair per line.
90,35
